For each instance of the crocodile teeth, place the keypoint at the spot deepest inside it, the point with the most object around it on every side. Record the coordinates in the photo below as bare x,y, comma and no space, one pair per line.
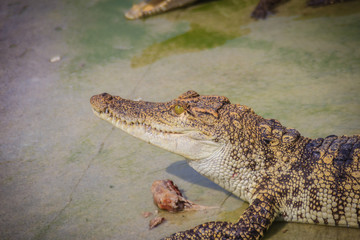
122,123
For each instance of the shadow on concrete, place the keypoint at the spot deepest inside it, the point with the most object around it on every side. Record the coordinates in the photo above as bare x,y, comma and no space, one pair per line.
182,170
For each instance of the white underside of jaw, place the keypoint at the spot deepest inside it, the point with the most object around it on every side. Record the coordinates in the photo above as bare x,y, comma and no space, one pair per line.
188,143
143,9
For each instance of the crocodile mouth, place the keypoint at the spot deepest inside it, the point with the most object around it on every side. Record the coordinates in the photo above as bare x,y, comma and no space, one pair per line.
190,143
152,7
127,125
145,8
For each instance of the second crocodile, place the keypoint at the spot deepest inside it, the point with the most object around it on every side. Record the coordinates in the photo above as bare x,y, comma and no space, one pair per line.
263,8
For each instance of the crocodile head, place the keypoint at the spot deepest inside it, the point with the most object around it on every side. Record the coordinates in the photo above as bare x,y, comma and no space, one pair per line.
151,7
228,143
188,125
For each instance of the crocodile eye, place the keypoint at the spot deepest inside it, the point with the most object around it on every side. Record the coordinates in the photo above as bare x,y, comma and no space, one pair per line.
179,109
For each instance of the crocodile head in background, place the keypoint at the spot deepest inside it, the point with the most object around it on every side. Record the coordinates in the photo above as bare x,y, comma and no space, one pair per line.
151,7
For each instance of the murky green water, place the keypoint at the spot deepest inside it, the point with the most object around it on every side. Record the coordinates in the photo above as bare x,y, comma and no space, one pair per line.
67,175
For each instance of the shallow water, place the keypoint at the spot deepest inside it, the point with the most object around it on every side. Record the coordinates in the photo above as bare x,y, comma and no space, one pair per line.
65,174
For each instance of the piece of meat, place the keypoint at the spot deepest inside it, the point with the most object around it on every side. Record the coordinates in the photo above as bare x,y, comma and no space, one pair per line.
167,196
156,221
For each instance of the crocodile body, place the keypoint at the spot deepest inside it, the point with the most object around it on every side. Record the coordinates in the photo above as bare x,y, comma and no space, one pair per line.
279,172
151,7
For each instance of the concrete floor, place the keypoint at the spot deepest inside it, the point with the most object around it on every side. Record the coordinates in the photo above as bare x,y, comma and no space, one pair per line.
65,174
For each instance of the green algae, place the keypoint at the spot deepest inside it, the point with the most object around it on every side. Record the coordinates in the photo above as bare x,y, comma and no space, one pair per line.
211,25
215,23
196,39
105,35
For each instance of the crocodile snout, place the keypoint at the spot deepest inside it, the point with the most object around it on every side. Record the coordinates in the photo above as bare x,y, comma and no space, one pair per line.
101,101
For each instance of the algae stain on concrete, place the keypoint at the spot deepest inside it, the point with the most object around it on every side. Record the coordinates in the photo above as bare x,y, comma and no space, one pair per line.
196,39
212,24
103,34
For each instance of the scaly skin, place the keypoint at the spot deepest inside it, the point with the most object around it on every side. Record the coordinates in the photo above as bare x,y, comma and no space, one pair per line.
279,172
152,7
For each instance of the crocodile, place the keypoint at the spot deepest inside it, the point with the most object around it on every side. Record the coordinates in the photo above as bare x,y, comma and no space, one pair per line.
263,8
282,174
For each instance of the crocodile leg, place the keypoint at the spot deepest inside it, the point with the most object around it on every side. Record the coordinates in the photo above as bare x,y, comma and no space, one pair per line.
251,225
152,7
263,8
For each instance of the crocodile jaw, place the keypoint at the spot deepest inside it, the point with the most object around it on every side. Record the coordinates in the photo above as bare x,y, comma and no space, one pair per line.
190,143
152,7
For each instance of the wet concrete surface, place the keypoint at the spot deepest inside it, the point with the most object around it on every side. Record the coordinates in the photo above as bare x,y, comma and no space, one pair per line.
65,174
